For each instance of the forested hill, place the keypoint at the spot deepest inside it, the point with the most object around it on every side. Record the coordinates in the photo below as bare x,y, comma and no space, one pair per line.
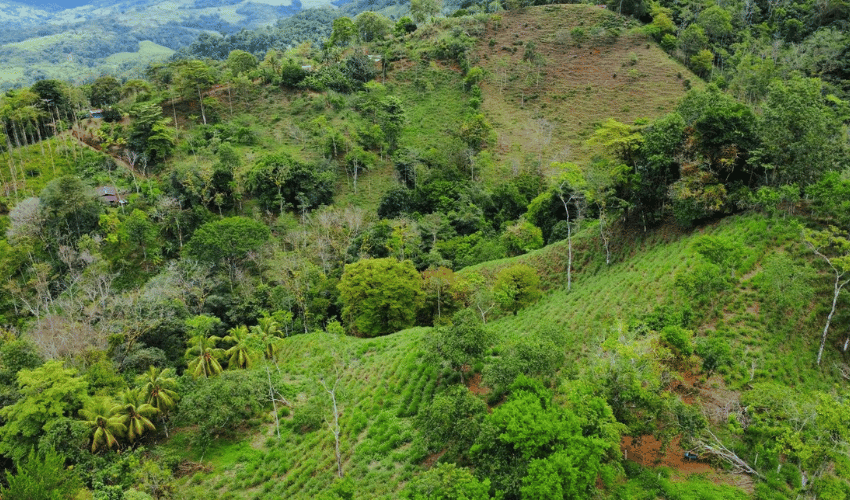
554,251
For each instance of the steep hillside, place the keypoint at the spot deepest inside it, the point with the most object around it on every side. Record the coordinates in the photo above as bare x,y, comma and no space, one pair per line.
386,381
556,72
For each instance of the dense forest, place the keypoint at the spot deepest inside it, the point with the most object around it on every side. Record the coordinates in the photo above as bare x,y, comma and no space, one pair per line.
436,251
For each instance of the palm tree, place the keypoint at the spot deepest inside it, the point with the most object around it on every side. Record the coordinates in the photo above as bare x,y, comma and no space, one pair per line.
267,331
158,389
104,424
204,356
240,353
135,414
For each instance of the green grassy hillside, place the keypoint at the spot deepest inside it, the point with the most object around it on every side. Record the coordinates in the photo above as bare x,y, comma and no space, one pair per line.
386,381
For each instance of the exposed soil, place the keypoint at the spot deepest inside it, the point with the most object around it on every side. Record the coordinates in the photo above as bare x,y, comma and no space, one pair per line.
475,386
431,459
546,91
646,450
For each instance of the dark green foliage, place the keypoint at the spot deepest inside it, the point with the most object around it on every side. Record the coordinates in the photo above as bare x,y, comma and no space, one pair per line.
149,133
105,91
218,405
678,340
462,343
359,68
380,296
15,355
802,136
280,182
539,354
452,420
330,77
292,74
41,476
715,353
404,26
226,241
69,208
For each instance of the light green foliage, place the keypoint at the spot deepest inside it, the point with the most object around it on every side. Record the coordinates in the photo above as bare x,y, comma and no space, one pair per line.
159,387
421,10
48,393
380,296
723,252
105,426
517,287
241,62
702,62
447,482
343,32
619,139
522,237
372,27
41,476
809,426
785,285
135,414
832,246
239,354
530,445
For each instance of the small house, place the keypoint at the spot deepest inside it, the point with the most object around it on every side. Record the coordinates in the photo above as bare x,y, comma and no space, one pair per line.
110,195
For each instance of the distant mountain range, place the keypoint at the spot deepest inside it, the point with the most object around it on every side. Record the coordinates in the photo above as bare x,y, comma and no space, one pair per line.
119,37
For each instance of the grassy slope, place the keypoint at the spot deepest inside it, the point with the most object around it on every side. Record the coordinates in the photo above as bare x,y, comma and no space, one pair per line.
384,381
577,85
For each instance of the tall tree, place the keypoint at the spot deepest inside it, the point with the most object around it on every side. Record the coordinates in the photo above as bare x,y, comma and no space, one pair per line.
106,427
239,354
227,242
202,353
193,79
135,414
47,394
380,296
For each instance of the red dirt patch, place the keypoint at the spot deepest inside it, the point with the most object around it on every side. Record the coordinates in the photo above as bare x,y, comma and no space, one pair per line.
431,459
646,450
475,386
